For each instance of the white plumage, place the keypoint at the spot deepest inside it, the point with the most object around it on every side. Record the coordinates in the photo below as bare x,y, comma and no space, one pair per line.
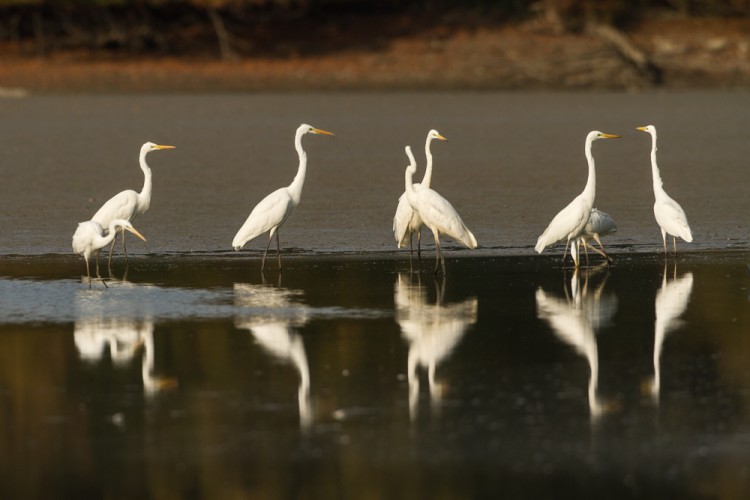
128,204
89,238
569,223
407,221
273,210
668,213
436,213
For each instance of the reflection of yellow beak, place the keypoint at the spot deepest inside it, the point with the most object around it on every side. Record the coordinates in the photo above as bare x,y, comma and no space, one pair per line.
135,232
159,146
642,129
319,131
610,136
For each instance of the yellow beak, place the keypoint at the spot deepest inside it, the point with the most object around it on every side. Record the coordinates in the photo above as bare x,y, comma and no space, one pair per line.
440,137
159,146
320,131
135,232
642,129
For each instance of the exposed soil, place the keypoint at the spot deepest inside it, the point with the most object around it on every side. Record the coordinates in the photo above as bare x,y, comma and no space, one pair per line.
400,52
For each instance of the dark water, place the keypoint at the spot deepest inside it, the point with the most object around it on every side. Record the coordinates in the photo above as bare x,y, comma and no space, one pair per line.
353,378
193,376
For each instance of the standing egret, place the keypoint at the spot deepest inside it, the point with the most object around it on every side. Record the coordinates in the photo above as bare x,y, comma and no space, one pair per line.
406,222
436,213
89,239
669,214
273,210
570,222
128,204
599,224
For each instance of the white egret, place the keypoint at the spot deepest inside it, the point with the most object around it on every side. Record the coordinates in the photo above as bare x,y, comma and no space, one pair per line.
669,214
569,223
89,239
273,210
599,224
128,204
406,222
436,213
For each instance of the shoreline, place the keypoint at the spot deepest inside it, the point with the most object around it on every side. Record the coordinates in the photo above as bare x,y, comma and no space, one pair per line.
662,53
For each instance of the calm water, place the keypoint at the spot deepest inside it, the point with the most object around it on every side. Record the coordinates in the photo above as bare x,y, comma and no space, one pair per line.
194,376
354,378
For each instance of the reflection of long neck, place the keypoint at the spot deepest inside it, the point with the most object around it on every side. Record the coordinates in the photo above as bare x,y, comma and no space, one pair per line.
590,190
654,168
295,188
144,197
428,170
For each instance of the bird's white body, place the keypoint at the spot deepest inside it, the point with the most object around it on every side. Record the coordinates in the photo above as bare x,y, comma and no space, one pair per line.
599,224
436,212
273,210
89,238
570,222
407,220
129,204
668,213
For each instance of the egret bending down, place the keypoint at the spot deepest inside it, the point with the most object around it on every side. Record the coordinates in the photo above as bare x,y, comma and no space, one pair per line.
273,210
128,204
89,239
570,222
436,213
669,214
406,222
599,224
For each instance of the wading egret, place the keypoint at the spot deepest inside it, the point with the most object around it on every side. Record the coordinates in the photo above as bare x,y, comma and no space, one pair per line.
436,213
406,222
89,239
669,214
128,204
599,224
273,210
569,223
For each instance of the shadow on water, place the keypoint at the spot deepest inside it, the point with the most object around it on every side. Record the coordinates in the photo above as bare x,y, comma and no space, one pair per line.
360,378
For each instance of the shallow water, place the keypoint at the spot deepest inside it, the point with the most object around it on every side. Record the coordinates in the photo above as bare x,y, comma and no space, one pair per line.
350,377
193,375
512,161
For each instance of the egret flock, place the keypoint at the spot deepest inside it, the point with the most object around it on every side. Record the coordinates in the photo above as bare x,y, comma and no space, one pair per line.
419,205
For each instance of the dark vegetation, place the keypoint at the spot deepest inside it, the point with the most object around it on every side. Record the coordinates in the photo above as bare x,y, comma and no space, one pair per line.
235,29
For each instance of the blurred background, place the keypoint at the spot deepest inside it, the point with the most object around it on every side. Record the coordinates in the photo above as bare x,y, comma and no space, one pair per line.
152,45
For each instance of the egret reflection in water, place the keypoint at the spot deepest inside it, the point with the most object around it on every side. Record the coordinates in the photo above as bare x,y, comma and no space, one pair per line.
671,302
577,319
99,329
271,315
432,331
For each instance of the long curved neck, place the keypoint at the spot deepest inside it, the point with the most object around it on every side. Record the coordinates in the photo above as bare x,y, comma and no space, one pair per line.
408,184
428,171
103,241
144,197
295,188
654,168
590,189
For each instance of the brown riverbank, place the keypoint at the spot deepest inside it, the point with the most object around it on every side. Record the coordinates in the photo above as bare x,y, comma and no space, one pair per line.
402,52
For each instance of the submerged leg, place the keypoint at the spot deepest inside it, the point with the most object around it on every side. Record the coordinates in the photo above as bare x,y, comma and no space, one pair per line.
278,250
111,251
419,247
575,252
586,251
664,238
263,260
674,245
565,253
439,260
124,250
88,273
